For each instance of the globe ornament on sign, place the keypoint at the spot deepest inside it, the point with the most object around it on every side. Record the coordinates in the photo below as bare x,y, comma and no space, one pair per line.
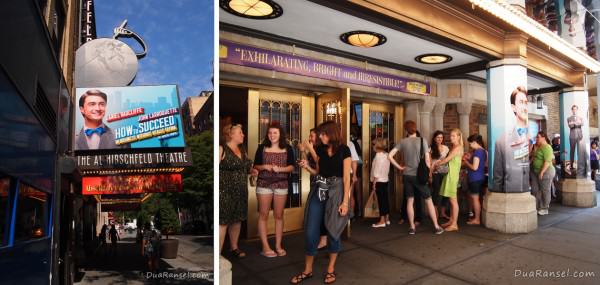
108,62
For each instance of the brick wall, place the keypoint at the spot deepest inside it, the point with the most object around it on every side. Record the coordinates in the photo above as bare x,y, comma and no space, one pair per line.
477,117
593,113
553,121
451,120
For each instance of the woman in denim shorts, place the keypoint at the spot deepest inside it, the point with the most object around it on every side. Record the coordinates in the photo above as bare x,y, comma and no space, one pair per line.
274,160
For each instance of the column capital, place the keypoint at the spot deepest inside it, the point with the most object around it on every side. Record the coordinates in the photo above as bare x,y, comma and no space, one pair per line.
464,108
572,89
440,108
515,45
507,61
426,106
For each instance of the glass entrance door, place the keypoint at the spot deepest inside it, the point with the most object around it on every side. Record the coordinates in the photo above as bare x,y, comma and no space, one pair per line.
378,122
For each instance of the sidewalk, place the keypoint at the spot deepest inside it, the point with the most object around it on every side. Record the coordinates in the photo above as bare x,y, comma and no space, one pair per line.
566,240
193,264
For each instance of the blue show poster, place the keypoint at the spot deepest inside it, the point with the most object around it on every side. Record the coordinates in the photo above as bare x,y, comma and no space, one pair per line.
127,118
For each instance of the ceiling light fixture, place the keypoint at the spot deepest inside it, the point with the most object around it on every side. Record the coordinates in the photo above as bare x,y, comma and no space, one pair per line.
433,58
252,9
363,39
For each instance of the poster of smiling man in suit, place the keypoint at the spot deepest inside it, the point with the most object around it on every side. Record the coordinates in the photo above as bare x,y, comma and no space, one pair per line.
128,118
94,134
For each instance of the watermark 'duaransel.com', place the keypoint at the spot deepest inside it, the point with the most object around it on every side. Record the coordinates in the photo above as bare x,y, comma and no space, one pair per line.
544,273
179,275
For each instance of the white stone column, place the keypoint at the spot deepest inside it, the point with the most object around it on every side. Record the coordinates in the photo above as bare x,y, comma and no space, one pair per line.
464,112
225,273
438,116
411,112
425,119
577,188
508,207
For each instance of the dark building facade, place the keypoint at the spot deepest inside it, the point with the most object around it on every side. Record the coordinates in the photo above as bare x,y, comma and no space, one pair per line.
36,67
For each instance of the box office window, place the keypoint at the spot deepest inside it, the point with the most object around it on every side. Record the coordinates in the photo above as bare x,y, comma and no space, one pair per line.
4,210
31,221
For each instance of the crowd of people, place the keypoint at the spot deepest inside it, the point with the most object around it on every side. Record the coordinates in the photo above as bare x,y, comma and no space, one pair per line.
433,173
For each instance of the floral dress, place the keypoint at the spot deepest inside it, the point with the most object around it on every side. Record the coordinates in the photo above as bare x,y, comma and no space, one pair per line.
233,187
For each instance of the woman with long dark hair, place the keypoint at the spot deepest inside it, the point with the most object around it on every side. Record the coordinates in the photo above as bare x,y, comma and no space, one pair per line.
310,164
476,175
274,160
438,151
327,201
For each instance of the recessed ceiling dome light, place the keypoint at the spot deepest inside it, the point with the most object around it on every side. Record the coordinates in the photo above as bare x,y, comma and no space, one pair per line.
364,39
433,58
252,9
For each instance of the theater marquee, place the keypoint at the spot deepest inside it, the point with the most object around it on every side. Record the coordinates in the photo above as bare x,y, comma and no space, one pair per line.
136,160
131,184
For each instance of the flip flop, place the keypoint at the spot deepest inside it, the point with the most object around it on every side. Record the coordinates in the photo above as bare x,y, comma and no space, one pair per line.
268,254
281,252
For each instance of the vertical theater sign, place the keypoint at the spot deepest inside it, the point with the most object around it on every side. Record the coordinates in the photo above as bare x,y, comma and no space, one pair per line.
128,140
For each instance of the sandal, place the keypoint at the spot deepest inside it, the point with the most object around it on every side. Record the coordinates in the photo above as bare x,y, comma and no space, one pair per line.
329,276
281,252
300,277
238,253
268,254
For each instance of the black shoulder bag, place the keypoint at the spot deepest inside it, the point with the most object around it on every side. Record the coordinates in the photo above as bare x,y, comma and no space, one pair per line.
422,170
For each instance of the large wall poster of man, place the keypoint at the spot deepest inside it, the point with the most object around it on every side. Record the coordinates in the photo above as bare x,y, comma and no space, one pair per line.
128,117
511,149
575,130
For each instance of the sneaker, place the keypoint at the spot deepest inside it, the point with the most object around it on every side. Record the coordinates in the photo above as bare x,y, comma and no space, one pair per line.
545,212
387,222
411,231
540,213
378,225
439,231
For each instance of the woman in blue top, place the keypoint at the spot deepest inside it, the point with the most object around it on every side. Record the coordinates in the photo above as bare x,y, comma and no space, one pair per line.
594,157
476,174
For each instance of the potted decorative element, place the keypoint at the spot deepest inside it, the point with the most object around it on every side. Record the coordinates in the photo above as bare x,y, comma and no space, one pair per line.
168,223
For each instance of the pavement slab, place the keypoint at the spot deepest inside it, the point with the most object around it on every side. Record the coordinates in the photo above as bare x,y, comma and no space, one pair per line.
193,265
552,218
582,223
576,245
435,251
507,264
564,243
353,267
438,278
